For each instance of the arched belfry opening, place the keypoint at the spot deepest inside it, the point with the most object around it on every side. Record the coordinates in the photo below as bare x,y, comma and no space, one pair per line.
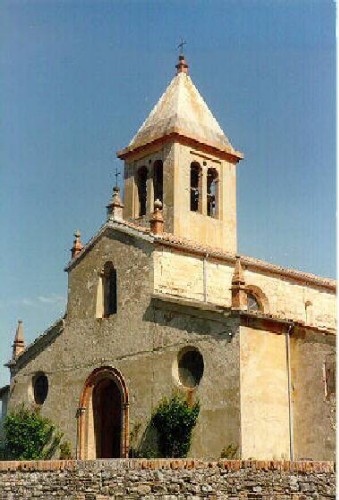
212,192
195,187
158,180
141,182
181,157
103,418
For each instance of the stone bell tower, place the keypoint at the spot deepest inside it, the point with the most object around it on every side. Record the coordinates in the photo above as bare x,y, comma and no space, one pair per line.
181,156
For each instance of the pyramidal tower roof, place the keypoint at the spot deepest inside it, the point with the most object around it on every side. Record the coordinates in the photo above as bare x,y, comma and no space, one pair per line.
182,111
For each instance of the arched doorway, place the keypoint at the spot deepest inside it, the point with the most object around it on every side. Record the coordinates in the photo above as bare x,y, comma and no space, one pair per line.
107,419
103,416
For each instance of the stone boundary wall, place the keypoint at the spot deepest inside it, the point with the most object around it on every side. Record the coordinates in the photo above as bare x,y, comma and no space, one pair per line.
118,479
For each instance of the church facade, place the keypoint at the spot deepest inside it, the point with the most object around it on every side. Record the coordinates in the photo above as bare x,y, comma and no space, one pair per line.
159,300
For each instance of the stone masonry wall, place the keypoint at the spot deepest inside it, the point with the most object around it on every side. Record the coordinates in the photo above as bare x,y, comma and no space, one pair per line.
182,275
143,342
166,479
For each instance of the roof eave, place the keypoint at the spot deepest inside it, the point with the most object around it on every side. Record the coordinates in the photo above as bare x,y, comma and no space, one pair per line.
176,135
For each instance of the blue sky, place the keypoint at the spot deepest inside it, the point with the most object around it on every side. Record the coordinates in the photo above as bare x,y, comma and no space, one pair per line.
79,78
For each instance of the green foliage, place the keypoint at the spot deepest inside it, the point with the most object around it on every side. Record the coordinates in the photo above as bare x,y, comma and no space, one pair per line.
229,451
143,444
134,440
29,436
65,451
174,420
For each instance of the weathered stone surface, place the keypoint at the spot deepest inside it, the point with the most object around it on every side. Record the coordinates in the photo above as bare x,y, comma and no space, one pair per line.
178,480
180,274
172,292
142,341
161,310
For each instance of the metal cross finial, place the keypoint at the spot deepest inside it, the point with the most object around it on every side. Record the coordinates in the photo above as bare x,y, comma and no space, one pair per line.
117,173
181,46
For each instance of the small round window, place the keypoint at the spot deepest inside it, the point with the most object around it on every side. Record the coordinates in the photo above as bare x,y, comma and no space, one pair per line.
190,367
40,388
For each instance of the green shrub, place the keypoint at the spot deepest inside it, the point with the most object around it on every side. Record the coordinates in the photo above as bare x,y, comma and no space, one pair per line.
174,420
143,444
65,451
29,436
229,452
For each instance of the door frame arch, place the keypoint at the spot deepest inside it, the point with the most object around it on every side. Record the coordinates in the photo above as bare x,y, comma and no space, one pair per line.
104,372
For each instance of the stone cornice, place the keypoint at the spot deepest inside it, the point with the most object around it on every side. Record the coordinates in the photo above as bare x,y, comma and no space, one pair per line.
130,153
259,320
278,324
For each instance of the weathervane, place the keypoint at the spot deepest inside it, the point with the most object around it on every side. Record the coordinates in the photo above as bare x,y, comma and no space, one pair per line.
181,46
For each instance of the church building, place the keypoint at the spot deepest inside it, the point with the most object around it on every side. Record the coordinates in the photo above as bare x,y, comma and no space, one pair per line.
160,300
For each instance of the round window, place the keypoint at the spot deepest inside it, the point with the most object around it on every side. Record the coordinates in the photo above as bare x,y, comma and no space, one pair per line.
40,388
190,367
